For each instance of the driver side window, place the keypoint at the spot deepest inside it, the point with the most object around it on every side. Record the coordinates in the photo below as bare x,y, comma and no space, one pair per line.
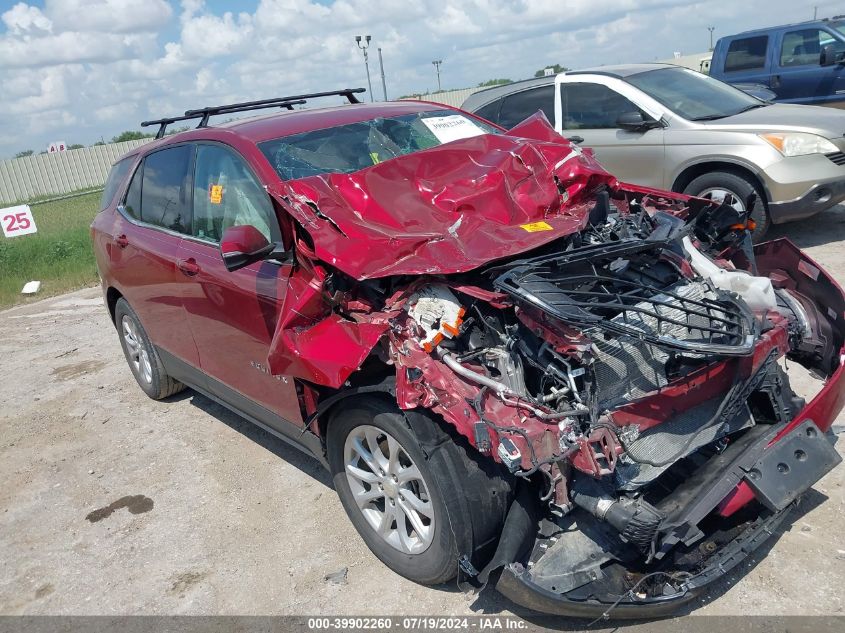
226,193
592,106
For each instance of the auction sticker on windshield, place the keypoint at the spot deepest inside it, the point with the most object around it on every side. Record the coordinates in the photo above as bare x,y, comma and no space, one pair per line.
17,220
452,127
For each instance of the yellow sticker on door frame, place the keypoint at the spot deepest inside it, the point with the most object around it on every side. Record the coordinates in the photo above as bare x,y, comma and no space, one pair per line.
536,226
215,194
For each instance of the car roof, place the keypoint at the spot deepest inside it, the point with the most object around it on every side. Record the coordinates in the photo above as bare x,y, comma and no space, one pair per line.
834,22
483,97
621,71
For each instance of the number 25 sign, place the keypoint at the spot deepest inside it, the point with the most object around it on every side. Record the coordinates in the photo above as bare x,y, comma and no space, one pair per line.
17,221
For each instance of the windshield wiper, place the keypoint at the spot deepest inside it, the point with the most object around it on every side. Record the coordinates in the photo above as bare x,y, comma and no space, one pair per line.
713,117
710,117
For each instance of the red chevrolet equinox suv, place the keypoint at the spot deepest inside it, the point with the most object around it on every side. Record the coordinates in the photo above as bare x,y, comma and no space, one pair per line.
517,369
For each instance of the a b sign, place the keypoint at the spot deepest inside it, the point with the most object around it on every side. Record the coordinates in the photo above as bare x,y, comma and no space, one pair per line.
17,221
58,146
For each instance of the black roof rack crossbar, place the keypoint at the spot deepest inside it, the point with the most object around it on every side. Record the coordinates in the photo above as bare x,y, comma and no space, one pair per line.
270,103
282,102
349,93
163,123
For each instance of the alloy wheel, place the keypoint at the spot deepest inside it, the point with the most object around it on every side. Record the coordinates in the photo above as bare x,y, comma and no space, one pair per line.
139,358
389,489
723,196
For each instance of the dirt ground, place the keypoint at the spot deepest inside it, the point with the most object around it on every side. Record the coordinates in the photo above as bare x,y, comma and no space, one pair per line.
112,503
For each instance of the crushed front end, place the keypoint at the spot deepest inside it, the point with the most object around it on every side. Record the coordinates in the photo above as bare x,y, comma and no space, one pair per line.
618,350
629,377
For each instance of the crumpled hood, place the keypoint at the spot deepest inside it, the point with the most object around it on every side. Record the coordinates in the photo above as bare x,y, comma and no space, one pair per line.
450,208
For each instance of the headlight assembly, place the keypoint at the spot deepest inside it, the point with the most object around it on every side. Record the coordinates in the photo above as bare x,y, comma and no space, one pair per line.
799,143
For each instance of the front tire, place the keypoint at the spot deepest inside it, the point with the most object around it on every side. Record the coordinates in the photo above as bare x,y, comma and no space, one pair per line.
141,355
734,190
415,493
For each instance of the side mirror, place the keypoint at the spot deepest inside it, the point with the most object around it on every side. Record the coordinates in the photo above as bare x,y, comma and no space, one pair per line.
828,56
634,122
243,245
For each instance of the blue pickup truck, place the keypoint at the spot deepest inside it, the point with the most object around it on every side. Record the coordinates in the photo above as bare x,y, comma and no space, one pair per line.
800,63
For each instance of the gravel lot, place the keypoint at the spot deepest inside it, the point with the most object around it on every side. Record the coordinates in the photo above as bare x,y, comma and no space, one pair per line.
112,503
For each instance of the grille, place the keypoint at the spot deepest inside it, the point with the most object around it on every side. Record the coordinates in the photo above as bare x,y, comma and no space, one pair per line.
627,367
579,288
837,157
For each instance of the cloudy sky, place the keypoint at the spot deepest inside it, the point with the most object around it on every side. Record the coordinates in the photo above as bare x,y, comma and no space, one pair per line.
79,70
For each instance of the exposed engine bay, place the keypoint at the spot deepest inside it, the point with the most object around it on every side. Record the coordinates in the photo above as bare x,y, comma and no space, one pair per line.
625,370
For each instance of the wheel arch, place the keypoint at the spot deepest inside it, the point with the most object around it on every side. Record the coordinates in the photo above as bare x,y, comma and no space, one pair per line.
113,295
691,172
384,388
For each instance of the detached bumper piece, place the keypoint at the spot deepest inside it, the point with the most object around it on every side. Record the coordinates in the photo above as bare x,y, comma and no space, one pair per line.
519,584
581,567
783,471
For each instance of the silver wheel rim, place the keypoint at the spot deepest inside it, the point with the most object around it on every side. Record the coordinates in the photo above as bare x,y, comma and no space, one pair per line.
139,359
723,196
389,489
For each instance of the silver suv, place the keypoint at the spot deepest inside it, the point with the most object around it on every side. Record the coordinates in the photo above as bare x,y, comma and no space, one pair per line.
669,127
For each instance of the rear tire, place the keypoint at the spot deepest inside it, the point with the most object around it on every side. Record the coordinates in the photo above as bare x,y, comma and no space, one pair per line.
141,355
462,497
736,189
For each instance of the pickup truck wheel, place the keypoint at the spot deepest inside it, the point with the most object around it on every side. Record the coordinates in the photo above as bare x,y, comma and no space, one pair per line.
141,356
734,190
417,497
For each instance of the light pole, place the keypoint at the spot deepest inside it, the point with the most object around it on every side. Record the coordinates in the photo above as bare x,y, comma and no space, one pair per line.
364,47
381,67
711,29
437,67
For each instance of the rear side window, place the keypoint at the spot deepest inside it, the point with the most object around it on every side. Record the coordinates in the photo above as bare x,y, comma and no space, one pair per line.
491,111
747,54
116,175
804,47
165,190
132,203
518,107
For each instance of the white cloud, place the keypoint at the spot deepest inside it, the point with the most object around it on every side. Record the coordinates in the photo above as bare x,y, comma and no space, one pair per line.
99,67
205,36
67,48
22,19
108,16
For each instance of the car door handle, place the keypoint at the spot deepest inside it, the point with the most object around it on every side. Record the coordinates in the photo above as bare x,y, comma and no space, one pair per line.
775,82
188,266
122,241
575,139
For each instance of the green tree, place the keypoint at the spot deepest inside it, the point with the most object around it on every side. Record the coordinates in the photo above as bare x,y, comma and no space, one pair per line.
26,152
557,68
130,135
75,146
494,82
